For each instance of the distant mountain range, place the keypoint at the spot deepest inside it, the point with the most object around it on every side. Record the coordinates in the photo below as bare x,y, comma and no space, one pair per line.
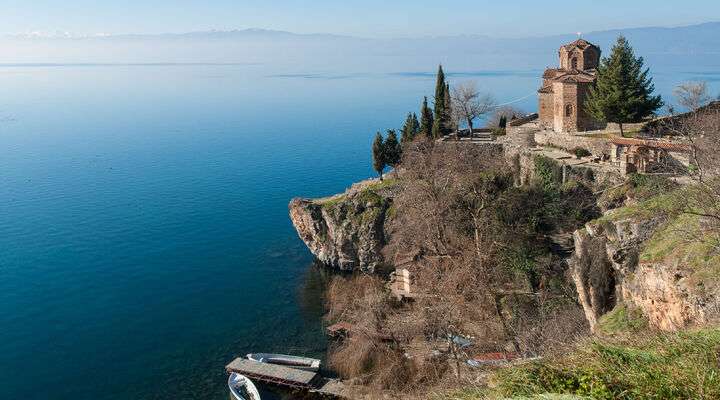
677,45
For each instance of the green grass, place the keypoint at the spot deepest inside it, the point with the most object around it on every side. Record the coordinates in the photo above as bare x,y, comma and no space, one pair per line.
638,366
360,208
385,183
660,366
622,319
331,202
481,394
638,187
368,193
671,203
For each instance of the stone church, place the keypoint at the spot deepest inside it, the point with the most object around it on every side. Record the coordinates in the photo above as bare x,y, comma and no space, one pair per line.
564,89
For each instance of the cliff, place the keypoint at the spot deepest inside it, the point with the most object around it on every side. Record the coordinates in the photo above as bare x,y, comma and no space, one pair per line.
346,231
639,255
645,257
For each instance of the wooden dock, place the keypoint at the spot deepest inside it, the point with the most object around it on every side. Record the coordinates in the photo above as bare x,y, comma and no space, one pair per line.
331,388
274,374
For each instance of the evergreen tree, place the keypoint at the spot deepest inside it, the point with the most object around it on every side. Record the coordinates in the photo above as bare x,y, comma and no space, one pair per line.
448,111
426,120
410,128
503,122
415,126
441,116
436,131
392,149
378,154
623,90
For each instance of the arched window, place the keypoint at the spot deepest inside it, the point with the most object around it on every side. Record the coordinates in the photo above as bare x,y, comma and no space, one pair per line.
574,63
569,110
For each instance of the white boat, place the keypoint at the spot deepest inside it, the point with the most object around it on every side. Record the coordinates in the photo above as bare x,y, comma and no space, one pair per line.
242,388
303,363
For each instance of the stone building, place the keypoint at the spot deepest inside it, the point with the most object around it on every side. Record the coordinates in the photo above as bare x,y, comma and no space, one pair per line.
645,156
565,89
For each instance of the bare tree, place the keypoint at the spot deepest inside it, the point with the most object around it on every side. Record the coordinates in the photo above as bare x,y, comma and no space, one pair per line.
701,130
505,111
469,104
692,95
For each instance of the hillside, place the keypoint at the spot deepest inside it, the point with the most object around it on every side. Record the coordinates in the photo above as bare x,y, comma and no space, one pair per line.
529,275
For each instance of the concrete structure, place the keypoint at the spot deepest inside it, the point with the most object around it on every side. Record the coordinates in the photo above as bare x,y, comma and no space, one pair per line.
565,89
400,283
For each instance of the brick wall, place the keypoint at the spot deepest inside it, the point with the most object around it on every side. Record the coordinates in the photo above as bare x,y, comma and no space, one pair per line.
545,110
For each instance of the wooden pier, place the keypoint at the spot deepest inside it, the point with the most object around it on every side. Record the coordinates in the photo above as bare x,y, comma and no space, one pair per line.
292,378
274,374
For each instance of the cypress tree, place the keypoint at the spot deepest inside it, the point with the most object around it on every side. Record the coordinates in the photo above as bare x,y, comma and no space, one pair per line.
415,126
410,128
623,90
378,154
440,112
450,127
426,120
392,149
503,122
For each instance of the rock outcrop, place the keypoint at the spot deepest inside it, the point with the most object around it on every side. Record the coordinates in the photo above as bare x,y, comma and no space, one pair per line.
345,231
607,268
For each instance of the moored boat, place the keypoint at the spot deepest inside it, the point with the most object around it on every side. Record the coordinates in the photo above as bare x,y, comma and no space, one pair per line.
303,363
242,388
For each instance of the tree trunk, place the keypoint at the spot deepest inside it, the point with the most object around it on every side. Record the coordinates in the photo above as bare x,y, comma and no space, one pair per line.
381,175
471,127
622,133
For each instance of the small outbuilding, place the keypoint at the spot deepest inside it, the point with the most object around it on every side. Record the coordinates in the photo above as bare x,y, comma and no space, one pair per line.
642,155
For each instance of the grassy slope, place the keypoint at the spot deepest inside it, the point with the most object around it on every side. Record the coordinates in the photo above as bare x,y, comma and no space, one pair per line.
650,366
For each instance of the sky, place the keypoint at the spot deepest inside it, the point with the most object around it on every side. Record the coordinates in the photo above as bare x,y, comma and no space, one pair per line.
367,18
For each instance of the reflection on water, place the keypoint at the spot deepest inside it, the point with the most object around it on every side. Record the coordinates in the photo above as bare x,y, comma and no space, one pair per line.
311,296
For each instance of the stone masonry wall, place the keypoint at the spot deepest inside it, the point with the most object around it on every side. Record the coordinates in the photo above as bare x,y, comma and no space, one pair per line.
596,146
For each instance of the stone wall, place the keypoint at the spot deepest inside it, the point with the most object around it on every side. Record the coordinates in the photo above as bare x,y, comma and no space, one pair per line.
627,127
566,141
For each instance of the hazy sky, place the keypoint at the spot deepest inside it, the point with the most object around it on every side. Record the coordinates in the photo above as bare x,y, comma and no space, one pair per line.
370,18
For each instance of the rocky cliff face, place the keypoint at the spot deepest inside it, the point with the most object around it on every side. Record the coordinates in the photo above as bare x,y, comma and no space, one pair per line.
608,269
346,231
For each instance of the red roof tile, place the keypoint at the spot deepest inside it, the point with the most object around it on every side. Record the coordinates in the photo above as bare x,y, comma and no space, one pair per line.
655,144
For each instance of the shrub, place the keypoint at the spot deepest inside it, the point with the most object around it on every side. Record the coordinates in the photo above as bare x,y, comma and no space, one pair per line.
547,171
581,152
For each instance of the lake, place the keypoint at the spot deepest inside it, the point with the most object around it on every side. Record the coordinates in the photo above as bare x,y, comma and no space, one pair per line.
144,235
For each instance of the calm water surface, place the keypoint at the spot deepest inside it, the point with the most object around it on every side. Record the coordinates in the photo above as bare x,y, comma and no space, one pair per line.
144,237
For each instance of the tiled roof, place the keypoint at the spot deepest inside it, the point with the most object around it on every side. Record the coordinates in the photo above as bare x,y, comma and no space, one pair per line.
552,72
655,144
581,44
575,76
546,89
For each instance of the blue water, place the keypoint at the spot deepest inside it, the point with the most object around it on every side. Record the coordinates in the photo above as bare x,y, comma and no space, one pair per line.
144,237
